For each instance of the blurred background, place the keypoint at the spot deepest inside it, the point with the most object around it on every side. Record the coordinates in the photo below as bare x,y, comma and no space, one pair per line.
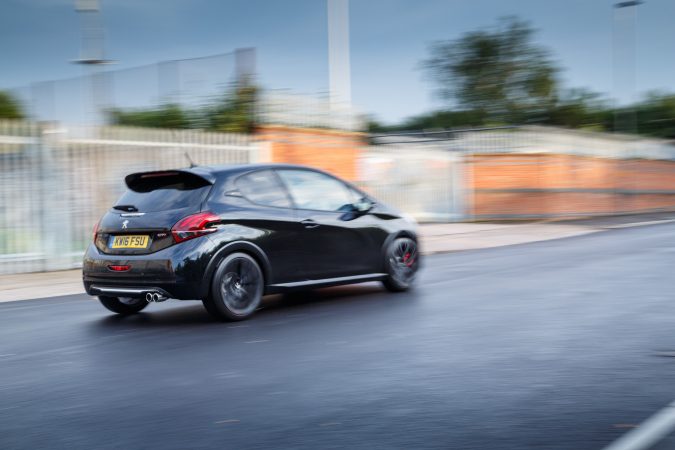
534,141
450,111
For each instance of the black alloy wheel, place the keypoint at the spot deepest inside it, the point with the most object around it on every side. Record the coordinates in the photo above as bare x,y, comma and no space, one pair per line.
401,264
236,288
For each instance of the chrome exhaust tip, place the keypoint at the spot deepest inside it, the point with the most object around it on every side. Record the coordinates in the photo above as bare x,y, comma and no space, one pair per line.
154,296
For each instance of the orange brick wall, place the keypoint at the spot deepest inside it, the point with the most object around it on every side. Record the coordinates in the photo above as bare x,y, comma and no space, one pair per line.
336,152
546,185
503,185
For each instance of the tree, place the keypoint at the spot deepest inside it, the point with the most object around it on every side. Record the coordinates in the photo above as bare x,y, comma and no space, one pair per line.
166,116
235,112
499,72
9,107
431,121
581,108
655,115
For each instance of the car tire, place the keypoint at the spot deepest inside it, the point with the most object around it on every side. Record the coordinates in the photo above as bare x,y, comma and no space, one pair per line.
123,306
401,262
236,288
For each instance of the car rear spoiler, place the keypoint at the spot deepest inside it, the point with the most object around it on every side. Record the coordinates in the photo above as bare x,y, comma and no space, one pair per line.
134,180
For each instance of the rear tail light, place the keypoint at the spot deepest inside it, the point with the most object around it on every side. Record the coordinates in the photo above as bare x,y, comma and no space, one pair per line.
118,268
95,230
194,226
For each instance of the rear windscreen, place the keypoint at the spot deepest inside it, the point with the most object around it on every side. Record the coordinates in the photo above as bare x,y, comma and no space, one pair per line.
162,192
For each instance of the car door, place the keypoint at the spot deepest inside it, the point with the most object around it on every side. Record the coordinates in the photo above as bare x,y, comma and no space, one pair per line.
334,242
263,204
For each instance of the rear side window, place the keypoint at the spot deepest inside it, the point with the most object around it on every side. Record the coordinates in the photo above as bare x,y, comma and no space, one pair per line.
164,191
314,190
264,188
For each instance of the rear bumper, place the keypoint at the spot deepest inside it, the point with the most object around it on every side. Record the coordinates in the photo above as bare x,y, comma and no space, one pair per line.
177,271
125,291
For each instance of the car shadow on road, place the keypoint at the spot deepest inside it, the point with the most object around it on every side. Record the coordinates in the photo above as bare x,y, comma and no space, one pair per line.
337,295
274,307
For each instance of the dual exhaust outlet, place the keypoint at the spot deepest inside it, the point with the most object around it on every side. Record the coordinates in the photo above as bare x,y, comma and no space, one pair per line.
155,297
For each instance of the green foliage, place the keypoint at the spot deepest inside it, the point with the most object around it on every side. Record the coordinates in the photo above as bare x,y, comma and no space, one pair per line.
580,108
166,116
499,76
234,112
374,126
576,108
499,72
433,120
656,115
9,107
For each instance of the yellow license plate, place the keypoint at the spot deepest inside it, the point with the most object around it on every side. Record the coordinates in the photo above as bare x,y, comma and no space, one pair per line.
129,241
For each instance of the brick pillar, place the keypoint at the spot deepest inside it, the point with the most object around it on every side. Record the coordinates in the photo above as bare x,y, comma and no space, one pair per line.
334,151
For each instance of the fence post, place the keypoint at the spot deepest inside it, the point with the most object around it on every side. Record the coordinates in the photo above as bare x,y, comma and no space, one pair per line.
55,236
260,152
457,183
468,163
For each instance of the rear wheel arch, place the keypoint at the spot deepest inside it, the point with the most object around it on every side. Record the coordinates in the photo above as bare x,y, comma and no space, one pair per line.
246,247
237,287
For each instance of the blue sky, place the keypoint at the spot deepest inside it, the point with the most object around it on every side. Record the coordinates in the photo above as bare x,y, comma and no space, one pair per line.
389,38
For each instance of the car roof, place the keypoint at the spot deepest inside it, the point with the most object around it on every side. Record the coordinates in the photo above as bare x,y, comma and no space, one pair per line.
209,172
215,173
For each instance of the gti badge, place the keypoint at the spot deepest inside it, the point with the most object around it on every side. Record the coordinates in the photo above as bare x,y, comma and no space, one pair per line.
124,224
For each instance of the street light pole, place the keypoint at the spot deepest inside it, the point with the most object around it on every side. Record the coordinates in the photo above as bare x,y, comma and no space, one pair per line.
92,53
339,71
625,121
625,16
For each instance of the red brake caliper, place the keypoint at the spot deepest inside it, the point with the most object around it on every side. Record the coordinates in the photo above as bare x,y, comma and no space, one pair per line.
406,257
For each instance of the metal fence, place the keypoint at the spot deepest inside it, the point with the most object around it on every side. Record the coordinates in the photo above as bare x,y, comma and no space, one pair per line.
426,174
190,83
56,182
282,107
519,172
427,184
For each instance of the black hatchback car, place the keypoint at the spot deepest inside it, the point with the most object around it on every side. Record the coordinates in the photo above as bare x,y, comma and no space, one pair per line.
229,235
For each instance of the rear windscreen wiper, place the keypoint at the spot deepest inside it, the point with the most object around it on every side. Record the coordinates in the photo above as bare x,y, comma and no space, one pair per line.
127,208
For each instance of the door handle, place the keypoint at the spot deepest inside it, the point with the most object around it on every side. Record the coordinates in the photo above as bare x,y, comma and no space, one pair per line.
309,223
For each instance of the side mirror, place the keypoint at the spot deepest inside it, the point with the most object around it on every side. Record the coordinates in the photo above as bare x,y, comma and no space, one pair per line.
356,209
364,205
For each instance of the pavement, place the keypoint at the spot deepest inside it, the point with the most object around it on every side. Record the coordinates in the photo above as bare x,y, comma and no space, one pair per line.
435,238
559,344
28,286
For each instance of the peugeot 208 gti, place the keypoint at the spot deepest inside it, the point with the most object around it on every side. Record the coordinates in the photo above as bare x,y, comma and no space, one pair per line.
229,235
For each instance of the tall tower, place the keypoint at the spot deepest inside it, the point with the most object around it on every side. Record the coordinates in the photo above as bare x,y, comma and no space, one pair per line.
92,56
339,70
625,64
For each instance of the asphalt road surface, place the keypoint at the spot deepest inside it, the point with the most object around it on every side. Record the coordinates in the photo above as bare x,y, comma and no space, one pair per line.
562,344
